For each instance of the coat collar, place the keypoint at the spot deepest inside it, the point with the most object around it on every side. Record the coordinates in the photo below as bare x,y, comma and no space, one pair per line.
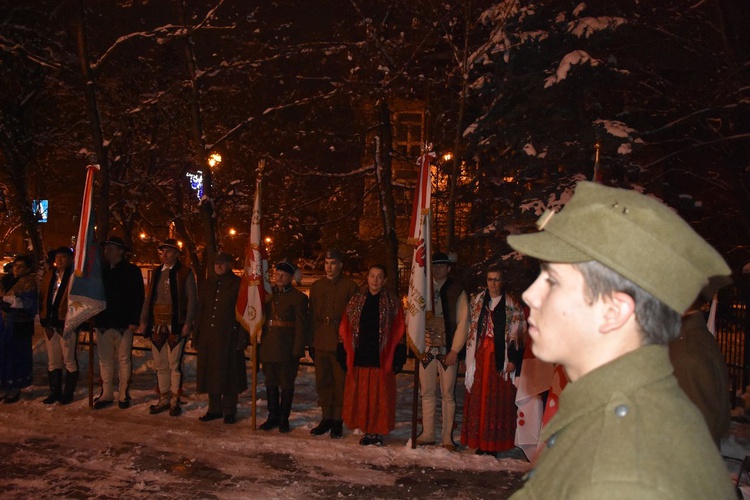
624,375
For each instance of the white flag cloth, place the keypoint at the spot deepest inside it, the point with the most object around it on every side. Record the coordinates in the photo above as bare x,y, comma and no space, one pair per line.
255,286
420,283
535,378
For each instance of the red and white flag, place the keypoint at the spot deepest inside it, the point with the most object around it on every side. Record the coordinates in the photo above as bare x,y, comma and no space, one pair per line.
255,286
535,379
420,284
86,287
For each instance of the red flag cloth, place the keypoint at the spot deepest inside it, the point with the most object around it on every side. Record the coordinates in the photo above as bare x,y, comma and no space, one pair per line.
255,286
420,284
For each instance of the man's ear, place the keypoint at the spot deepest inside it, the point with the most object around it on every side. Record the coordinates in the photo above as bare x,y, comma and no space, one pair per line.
617,308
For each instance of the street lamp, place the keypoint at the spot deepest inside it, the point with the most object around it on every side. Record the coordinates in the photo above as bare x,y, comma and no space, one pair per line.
214,159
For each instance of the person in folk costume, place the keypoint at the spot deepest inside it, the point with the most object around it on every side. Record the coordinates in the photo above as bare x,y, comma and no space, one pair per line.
283,344
167,319
328,299
114,327
19,304
53,308
494,352
372,327
220,342
445,336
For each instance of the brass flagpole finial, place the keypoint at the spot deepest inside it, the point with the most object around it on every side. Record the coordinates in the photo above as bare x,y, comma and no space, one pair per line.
261,166
426,147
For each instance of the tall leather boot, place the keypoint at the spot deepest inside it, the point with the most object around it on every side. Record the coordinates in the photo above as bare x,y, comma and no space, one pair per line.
71,381
287,396
272,396
55,387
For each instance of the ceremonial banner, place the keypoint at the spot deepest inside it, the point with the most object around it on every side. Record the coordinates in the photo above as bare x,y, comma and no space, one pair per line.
535,379
86,288
420,284
255,286
559,381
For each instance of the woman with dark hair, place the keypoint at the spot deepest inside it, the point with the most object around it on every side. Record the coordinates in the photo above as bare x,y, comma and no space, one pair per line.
494,351
371,328
19,305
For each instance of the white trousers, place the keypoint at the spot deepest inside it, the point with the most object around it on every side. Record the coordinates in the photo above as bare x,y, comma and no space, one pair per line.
61,352
427,385
115,346
168,364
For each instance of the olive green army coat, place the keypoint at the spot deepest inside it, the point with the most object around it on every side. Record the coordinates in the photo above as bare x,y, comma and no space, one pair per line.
286,328
219,338
328,299
701,372
627,430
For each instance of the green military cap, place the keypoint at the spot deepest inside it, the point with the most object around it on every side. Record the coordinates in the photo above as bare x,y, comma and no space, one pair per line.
638,237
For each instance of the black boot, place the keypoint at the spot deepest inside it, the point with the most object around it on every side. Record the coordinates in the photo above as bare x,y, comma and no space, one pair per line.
323,427
287,395
337,429
272,396
71,381
55,387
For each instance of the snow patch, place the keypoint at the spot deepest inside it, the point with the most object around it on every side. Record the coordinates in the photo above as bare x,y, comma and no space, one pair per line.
571,58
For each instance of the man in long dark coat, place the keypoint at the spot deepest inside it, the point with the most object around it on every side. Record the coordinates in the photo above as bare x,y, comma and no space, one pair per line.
283,344
220,342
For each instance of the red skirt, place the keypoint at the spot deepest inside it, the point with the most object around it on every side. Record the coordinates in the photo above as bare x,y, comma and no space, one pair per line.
489,418
370,400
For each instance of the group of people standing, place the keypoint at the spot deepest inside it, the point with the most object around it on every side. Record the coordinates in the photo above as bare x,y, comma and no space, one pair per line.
354,334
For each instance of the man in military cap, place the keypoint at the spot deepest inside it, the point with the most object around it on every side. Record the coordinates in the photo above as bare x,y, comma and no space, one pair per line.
53,308
220,342
618,271
328,299
167,319
282,344
114,327
446,330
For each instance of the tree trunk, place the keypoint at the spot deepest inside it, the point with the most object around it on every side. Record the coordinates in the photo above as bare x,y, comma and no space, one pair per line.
89,81
199,147
387,203
457,143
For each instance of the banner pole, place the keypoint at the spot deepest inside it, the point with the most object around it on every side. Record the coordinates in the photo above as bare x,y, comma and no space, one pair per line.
254,391
91,367
414,403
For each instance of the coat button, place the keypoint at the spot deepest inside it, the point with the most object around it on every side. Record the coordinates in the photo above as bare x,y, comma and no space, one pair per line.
551,441
621,410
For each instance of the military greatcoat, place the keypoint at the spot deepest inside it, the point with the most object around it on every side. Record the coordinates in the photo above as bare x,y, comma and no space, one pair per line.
219,338
627,430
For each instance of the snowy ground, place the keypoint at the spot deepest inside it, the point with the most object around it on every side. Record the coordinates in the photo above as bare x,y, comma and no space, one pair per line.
76,452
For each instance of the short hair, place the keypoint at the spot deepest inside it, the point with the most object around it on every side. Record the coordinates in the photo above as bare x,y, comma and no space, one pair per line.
26,259
378,266
494,268
659,323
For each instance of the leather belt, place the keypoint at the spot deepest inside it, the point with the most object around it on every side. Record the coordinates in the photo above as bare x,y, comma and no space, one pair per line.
279,323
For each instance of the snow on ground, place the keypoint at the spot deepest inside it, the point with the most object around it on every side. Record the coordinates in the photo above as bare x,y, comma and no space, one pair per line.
75,451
